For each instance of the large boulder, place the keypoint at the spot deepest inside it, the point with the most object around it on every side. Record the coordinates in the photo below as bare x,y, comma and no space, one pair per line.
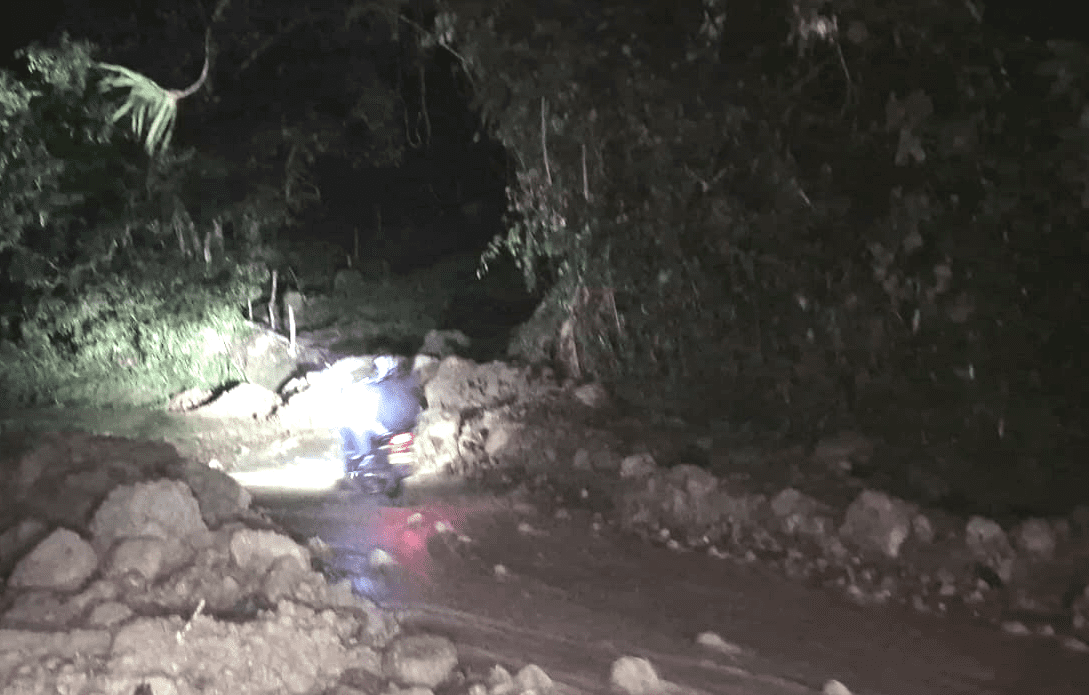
61,562
461,384
219,495
157,509
256,551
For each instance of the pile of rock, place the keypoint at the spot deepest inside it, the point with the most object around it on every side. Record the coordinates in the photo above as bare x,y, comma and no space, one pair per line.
152,575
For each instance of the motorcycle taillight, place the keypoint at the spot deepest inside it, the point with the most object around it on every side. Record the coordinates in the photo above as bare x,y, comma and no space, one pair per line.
401,442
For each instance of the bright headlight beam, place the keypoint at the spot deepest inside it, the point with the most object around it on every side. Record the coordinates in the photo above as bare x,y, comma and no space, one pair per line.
311,475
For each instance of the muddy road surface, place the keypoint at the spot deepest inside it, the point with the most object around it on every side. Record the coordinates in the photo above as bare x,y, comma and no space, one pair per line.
572,595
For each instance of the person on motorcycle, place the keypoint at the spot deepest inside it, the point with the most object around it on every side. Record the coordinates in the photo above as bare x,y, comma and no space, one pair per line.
373,409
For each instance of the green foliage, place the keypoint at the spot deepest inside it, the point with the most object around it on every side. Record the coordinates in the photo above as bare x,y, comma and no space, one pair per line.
132,339
875,204
113,292
151,108
43,119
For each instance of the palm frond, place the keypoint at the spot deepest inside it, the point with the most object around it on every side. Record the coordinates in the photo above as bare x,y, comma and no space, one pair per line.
146,103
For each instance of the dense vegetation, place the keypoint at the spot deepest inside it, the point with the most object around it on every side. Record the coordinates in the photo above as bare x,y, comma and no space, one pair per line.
804,214
112,290
796,214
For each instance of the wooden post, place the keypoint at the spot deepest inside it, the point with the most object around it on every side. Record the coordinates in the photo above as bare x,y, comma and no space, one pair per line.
272,303
291,328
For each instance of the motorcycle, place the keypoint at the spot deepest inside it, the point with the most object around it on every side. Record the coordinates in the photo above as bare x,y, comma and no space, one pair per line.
383,471
377,442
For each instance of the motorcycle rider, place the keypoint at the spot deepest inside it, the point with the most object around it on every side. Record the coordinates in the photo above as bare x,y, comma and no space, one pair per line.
372,409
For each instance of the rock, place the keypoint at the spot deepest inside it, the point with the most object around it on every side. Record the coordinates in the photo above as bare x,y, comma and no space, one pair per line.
426,660
532,678
1035,537
189,399
97,592
158,509
141,557
799,513
39,609
61,562
256,551
875,521
501,437
713,641
461,384
695,481
290,650
834,687
592,395
923,529
282,578
990,546
249,401
445,343
108,614
500,680
219,496
15,541
437,436
425,367
635,676
638,466
35,645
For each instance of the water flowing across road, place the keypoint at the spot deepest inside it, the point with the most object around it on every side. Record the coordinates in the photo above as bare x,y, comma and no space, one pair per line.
529,588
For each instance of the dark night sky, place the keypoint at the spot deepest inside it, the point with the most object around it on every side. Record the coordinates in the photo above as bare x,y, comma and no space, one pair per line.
1050,19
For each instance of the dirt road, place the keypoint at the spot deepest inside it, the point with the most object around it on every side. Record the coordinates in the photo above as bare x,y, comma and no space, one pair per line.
572,600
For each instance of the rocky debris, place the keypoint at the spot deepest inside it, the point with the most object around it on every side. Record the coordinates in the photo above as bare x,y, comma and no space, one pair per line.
61,562
420,660
157,509
171,541
592,395
874,547
714,642
425,367
162,592
530,679
250,401
438,440
638,466
257,551
875,521
990,546
461,384
834,687
445,343
219,496
1036,538
259,356
189,399
635,676
17,540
